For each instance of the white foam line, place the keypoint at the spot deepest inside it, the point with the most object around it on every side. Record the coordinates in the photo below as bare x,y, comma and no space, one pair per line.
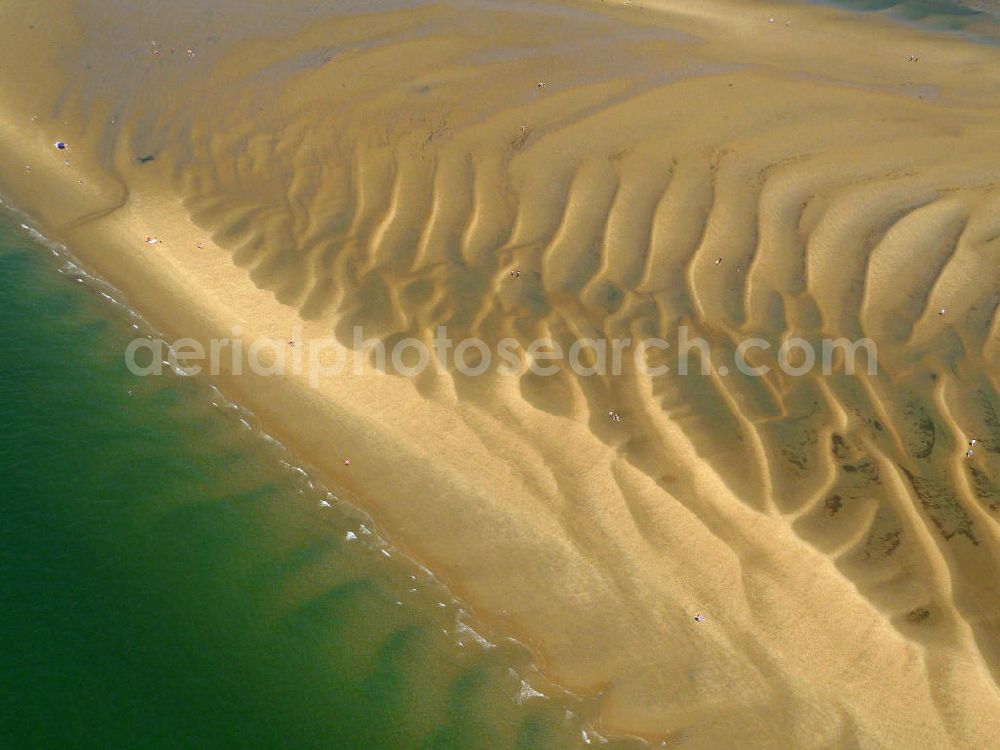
349,510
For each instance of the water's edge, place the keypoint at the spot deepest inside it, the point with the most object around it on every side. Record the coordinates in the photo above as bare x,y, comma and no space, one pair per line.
466,631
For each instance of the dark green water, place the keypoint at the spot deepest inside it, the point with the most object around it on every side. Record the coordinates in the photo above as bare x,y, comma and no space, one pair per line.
168,582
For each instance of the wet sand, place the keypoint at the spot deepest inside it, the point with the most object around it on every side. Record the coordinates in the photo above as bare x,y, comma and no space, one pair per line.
389,169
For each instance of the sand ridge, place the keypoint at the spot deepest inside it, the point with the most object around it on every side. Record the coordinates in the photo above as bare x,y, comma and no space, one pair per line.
389,169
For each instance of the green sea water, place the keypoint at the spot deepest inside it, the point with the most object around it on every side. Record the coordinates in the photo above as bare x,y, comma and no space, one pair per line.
171,580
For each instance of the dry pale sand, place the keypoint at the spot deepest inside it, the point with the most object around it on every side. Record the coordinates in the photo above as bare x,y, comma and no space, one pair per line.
388,168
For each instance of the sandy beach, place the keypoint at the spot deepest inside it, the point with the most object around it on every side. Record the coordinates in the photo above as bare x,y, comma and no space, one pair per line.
739,169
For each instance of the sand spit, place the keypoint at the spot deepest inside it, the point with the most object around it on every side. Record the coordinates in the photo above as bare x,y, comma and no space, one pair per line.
316,168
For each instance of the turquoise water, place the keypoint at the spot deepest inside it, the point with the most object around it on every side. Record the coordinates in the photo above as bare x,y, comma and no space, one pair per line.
169,581
915,9
940,15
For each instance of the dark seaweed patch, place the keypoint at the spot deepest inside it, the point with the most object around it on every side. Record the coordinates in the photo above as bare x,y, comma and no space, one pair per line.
942,507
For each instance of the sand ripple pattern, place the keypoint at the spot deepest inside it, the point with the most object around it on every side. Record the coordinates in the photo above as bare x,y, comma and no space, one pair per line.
390,169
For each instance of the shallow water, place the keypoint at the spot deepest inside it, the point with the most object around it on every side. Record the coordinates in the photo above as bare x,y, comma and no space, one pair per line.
170,579
979,21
